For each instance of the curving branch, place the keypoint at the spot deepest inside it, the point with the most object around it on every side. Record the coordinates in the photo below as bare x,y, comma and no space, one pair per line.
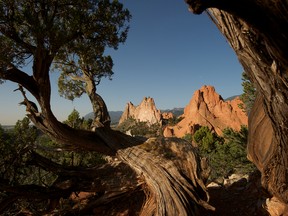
261,16
173,182
10,32
15,75
72,180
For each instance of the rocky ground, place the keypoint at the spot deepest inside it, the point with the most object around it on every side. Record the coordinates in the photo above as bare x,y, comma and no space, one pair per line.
241,198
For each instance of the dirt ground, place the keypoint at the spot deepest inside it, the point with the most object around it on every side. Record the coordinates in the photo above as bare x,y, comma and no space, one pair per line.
240,199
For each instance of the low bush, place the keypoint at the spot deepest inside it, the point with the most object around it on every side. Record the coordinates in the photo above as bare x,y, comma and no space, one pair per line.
227,153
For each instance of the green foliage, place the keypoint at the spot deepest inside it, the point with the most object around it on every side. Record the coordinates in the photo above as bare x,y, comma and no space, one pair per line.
249,93
145,129
206,140
85,159
73,34
86,124
16,156
172,121
236,144
76,122
51,150
188,137
23,133
226,154
69,88
83,60
233,136
126,125
138,128
16,146
74,119
14,150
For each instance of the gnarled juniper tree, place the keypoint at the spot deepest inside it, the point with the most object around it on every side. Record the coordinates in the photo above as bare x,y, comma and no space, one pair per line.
72,35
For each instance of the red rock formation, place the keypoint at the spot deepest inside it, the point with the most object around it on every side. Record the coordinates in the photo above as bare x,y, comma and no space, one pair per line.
167,115
146,111
275,207
207,108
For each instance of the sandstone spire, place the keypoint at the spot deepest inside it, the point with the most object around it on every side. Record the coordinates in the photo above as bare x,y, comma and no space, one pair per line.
207,108
146,111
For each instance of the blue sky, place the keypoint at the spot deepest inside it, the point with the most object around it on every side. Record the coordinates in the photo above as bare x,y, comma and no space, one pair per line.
169,53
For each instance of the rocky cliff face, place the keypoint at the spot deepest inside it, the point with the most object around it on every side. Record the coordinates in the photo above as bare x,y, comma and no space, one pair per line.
167,115
146,111
207,108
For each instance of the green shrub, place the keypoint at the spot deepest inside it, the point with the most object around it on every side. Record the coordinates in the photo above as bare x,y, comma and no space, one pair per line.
172,121
138,128
188,137
226,154
206,140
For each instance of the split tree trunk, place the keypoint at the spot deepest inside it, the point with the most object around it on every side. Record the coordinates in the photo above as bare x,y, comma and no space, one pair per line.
258,32
172,175
101,114
171,172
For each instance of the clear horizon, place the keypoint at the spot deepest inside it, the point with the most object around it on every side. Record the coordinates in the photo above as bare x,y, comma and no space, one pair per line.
169,54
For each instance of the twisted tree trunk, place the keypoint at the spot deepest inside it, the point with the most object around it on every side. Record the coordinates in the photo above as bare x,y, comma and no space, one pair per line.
257,31
101,114
168,171
173,175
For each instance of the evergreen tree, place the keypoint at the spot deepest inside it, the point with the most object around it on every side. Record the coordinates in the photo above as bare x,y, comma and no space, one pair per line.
74,120
249,93
206,140
226,154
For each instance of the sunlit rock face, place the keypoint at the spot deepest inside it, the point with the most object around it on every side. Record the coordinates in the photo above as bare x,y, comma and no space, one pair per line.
167,115
275,207
207,108
146,111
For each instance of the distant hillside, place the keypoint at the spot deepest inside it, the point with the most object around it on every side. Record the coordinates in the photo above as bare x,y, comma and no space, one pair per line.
7,127
232,98
114,115
176,111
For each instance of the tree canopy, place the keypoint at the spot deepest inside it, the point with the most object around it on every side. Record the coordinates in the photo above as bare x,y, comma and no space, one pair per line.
72,35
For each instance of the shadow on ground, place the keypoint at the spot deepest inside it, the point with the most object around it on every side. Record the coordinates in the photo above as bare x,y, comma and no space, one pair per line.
242,198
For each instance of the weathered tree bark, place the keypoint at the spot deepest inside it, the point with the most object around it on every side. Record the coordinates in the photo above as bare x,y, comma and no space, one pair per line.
173,175
100,111
258,32
101,114
170,169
